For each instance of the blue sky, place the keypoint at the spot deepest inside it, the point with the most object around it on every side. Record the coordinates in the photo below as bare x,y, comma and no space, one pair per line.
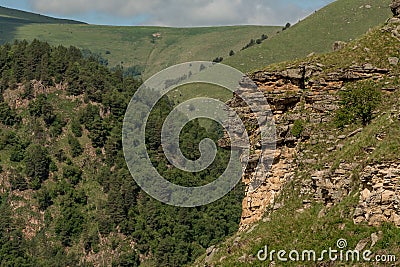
173,12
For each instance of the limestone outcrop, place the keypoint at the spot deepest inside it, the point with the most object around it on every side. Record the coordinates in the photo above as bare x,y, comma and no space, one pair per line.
380,195
308,92
298,93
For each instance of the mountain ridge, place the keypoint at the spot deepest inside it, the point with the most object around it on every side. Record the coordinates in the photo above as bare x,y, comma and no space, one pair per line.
30,17
341,20
117,44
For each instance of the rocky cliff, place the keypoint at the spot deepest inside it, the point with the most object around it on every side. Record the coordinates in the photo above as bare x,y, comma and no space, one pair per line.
326,183
308,93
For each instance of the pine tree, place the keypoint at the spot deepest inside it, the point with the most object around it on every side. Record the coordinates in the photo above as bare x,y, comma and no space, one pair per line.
37,163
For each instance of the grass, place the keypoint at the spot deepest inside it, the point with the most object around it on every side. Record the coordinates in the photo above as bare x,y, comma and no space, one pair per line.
305,230
195,90
28,17
135,46
190,91
343,20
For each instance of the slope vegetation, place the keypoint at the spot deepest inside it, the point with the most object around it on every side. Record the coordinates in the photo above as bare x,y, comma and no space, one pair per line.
64,183
12,19
136,47
343,20
146,49
18,16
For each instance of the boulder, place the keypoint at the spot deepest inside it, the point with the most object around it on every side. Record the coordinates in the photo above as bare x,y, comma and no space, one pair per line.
374,239
338,45
395,7
393,61
361,244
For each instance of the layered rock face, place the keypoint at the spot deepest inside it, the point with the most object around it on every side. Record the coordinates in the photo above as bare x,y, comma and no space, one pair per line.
380,195
302,93
308,93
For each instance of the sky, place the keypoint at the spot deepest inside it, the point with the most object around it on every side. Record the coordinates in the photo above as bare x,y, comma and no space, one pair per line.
175,13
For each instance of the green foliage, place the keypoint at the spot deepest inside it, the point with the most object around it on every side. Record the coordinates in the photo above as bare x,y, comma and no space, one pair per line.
28,91
16,145
250,44
183,233
7,115
76,128
72,173
76,148
98,133
17,181
126,43
60,155
298,128
168,236
17,154
70,224
311,34
37,163
127,259
88,115
218,59
8,138
117,204
44,199
42,108
13,247
53,167
287,26
357,105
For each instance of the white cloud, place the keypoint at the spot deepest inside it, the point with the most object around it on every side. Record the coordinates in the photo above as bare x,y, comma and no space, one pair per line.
185,12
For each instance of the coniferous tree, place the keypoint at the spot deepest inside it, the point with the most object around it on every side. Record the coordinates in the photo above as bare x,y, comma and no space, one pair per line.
37,163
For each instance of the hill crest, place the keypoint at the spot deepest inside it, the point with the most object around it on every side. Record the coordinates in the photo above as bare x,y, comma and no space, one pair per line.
20,16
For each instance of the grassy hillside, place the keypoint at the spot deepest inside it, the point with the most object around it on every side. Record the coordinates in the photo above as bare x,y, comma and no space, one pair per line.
14,15
136,46
12,19
343,20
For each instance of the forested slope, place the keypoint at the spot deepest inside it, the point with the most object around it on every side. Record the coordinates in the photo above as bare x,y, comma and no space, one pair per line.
67,197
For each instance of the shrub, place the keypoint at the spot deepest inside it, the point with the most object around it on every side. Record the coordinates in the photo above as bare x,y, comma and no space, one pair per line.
7,115
73,174
17,154
218,59
37,163
287,26
76,148
18,182
250,44
357,105
44,199
298,128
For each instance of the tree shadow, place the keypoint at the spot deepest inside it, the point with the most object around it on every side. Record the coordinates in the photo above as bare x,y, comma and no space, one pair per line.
8,28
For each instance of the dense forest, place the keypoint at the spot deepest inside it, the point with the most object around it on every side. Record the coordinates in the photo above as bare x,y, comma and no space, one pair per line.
66,195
